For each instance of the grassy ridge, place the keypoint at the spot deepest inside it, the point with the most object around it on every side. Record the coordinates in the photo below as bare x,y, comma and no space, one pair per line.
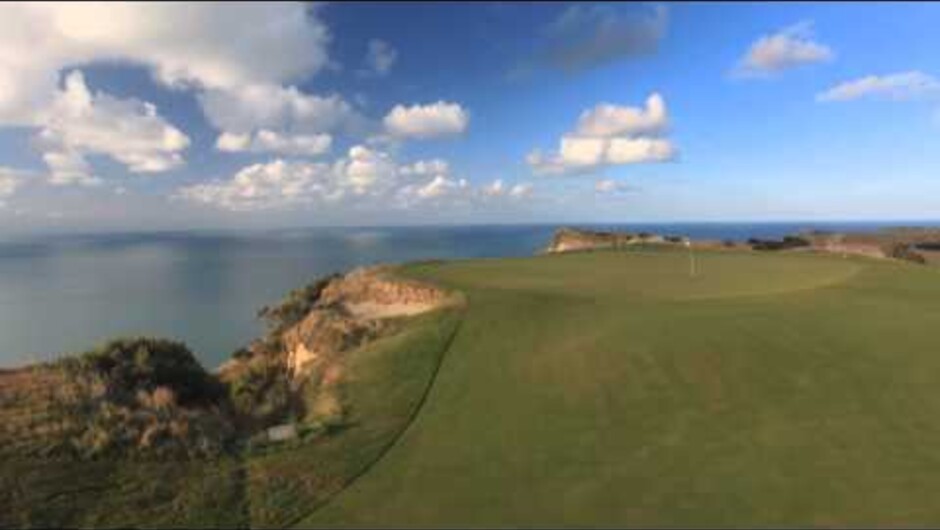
612,389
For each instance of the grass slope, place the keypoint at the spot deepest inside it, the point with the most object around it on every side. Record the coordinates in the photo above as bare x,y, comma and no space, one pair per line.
612,389
388,381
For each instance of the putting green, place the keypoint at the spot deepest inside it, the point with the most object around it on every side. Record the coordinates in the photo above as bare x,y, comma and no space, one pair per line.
612,389
660,274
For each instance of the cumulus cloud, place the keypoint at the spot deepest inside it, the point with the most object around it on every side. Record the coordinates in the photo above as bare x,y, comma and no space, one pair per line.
791,47
365,175
422,168
276,184
899,86
523,189
213,45
68,168
498,188
79,122
241,60
606,120
439,186
251,107
495,188
380,57
611,187
266,141
427,121
585,36
366,169
610,135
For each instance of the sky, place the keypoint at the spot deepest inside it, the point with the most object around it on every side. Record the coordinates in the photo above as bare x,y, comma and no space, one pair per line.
175,116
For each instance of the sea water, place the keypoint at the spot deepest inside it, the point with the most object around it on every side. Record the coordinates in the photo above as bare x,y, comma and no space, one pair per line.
67,293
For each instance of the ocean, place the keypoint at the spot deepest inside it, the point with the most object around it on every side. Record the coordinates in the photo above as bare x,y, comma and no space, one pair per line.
67,293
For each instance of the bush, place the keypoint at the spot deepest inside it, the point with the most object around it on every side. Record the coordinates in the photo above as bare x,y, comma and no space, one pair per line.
770,244
260,393
142,397
296,305
127,366
904,251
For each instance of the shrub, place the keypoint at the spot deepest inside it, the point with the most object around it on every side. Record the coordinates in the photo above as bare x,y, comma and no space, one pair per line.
260,393
770,244
296,305
904,251
128,365
142,396
930,245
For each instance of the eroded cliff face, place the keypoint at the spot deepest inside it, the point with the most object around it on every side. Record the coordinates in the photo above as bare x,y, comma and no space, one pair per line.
572,239
298,368
351,311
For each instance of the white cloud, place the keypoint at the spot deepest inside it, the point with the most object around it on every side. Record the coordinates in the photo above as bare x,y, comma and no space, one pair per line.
586,36
68,168
364,178
636,150
607,120
131,132
366,169
211,45
420,168
495,188
266,141
380,57
439,186
611,187
277,184
605,186
233,142
427,121
521,190
245,109
498,188
610,135
791,47
899,86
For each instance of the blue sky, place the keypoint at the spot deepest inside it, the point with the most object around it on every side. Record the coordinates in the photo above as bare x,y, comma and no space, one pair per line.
466,113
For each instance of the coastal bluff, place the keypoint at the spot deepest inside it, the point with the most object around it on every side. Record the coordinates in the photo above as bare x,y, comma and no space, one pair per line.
568,239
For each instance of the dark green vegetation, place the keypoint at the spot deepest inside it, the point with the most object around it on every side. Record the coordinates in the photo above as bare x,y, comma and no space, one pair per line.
611,389
269,486
788,242
130,396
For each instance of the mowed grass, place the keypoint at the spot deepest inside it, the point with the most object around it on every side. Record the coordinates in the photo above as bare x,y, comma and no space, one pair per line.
611,389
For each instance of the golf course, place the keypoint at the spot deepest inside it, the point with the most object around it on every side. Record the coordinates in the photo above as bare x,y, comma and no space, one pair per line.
601,388
614,389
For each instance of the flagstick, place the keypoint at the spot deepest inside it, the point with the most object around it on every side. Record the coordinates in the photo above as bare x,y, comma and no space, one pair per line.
688,245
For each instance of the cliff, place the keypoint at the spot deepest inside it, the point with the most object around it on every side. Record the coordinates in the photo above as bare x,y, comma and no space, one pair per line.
573,239
141,396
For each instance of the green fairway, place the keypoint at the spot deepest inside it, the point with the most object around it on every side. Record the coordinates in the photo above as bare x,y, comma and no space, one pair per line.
613,389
